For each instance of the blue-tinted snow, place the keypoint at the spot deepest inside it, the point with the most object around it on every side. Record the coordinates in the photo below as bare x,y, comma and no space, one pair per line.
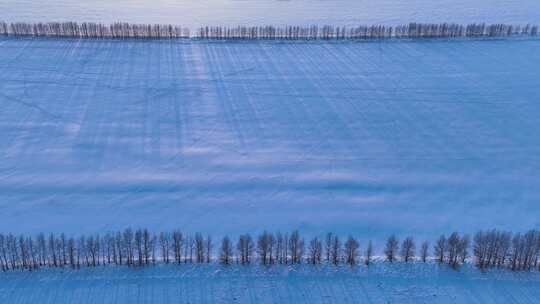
195,13
365,138
418,283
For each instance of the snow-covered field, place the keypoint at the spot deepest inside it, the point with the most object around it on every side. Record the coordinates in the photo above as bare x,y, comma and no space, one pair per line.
195,13
365,138
236,284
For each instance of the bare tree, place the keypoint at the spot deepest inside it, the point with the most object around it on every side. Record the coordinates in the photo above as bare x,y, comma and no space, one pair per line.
296,247
178,241
480,249
463,248
208,248
199,248
226,251
147,246
153,248
440,248
285,249
424,251
72,252
452,249
164,241
190,247
52,249
335,251
63,248
369,254
245,248
351,250
42,247
315,251
271,245
391,248
120,249
263,247
328,245
128,245
279,248
407,249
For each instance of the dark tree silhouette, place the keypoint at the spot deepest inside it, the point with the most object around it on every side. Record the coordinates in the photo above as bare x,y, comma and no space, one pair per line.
327,32
391,248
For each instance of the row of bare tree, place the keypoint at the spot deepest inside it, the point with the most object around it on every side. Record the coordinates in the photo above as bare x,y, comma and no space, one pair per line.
95,30
493,248
519,251
451,30
327,32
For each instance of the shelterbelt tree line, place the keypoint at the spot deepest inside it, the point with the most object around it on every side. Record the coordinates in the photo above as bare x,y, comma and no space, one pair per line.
313,32
140,247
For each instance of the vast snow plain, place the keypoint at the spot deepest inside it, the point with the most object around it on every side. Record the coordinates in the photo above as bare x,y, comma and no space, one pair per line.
195,13
215,284
367,138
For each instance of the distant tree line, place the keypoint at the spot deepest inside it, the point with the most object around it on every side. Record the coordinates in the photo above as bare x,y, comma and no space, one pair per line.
327,32
94,30
140,247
